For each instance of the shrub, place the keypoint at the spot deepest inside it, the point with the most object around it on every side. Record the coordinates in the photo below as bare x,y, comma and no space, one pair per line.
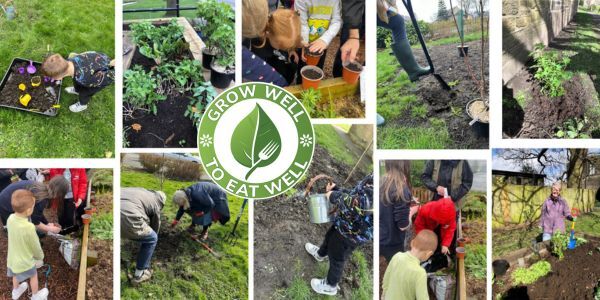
183,75
532,274
172,168
384,37
573,129
226,43
215,14
140,89
550,69
159,43
411,33
310,98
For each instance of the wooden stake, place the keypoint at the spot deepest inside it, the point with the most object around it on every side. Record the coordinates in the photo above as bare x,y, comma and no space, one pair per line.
83,264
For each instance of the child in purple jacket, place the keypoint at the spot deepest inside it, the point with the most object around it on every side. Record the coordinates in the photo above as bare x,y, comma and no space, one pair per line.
554,210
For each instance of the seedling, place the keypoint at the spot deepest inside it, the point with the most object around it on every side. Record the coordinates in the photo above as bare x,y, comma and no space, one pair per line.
550,69
573,129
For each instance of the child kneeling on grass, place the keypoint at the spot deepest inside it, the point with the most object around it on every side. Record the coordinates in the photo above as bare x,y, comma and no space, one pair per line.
404,277
25,253
91,72
352,227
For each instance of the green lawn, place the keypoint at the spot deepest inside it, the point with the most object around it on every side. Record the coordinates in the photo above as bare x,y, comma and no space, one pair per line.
394,101
587,45
157,4
67,26
475,36
199,274
329,139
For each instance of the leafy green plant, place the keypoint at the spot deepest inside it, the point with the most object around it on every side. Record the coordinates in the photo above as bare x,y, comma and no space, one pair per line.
475,261
521,99
560,242
419,111
573,129
102,227
140,89
550,69
215,14
183,75
310,98
226,42
456,110
532,274
453,83
204,93
159,43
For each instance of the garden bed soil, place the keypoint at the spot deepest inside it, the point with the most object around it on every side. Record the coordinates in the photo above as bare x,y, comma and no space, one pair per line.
169,128
453,69
575,277
41,100
63,279
542,114
282,227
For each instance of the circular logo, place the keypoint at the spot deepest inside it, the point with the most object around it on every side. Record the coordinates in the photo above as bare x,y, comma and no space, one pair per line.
256,140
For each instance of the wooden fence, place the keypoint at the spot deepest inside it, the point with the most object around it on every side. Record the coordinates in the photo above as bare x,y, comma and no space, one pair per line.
521,204
444,29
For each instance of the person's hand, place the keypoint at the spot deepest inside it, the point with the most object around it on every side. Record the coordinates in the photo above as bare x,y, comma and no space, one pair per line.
317,46
349,50
174,223
570,218
112,63
39,263
54,229
445,250
45,171
78,203
440,190
302,55
330,186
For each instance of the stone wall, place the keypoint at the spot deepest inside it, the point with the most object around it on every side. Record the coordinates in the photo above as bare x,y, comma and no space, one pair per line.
529,22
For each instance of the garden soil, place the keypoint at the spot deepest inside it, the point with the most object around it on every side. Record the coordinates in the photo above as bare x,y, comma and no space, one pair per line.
169,127
41,100
63,280
282,227
575,277
440,102
542,114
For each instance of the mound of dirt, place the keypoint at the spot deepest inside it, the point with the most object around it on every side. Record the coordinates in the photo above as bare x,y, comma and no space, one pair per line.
543,114
574,277
451,106
282,227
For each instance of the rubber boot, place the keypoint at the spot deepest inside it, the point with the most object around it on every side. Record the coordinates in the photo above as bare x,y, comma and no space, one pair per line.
405,57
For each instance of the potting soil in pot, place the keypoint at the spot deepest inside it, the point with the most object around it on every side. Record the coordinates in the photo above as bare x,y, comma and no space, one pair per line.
311,74
354,67
41,99
480,111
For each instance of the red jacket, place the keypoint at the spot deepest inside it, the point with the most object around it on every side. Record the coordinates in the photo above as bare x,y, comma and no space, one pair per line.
78,182
438,213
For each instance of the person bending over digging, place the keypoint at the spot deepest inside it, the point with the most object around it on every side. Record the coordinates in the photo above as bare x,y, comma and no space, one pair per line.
25,253
352,227
205,202
440,217
74,205
404,277
554,211
91,72
140,222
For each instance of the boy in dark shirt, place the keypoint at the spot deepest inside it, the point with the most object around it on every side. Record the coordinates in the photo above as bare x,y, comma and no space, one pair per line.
91,72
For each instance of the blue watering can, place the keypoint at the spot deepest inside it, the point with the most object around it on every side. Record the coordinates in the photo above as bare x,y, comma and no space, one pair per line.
9,11
572,240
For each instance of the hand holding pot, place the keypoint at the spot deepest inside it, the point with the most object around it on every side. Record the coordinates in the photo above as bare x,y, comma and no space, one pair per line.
350,49
330,186
317,46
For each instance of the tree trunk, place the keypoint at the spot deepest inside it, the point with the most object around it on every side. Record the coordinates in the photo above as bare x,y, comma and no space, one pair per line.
575,169
171,4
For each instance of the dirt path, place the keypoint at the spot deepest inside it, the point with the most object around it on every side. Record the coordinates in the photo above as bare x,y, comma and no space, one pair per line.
282,228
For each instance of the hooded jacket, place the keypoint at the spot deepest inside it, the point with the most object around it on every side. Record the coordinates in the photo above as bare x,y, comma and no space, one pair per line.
206,197
438,213
554,214
78,182
444,178
140,212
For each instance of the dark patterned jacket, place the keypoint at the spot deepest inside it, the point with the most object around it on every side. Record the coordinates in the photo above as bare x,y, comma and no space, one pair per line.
93,70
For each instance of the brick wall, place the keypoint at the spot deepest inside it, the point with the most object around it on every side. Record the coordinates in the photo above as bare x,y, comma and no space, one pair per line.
528,22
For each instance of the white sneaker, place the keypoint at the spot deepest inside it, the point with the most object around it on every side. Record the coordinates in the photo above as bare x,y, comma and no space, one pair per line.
146,275
77,107
16,293
314,251
71,90
320,286
40,295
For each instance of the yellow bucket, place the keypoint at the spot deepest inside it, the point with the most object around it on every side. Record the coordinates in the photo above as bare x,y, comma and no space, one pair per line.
22,87
25,99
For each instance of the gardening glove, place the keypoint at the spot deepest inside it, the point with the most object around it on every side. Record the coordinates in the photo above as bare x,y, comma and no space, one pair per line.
570,218
39,264
174,223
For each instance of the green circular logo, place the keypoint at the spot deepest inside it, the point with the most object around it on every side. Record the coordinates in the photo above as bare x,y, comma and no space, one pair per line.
256,140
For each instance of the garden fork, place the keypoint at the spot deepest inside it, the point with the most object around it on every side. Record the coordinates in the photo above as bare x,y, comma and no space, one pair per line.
263,155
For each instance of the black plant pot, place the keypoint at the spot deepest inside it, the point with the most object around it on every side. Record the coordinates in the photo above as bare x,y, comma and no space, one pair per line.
460,51
207,58
500,266
482,130
221,78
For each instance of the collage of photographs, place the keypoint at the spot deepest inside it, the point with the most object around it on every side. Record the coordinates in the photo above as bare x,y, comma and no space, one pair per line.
300,149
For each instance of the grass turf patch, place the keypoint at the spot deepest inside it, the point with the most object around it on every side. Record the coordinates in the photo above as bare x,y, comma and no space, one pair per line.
198,273
402,137
102,226
586,44
139,4
329,139
67,26
475,36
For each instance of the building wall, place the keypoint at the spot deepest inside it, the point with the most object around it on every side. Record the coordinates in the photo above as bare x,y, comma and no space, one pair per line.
526,23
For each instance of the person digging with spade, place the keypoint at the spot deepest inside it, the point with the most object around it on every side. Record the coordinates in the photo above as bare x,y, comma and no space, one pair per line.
205,202
352,227
140,222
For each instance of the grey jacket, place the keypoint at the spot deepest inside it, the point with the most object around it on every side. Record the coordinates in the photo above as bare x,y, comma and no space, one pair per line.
140,212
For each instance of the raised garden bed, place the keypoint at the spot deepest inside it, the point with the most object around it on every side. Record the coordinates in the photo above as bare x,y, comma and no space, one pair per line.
167,123
574,277
45,97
